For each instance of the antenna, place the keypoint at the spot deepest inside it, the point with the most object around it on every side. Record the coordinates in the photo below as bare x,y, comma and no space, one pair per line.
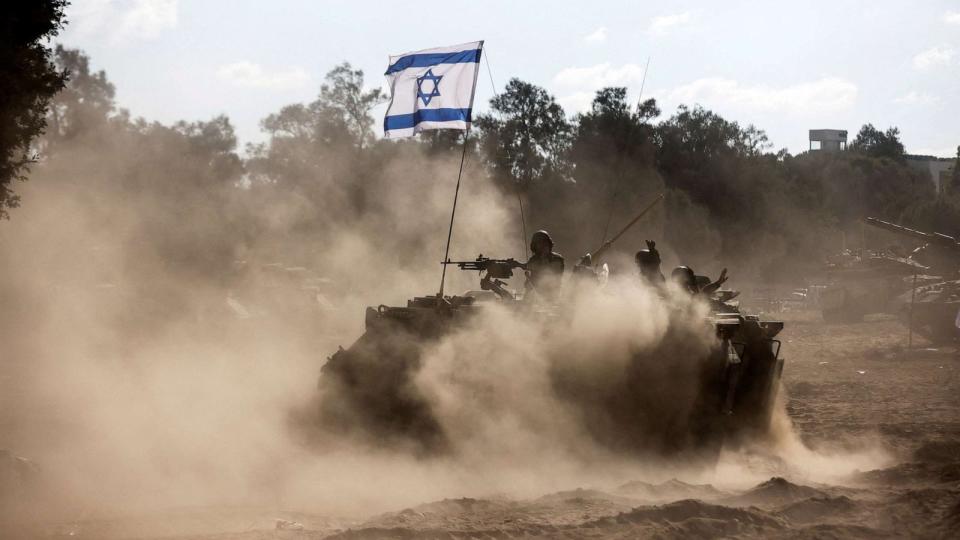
643,81
616,187
523,219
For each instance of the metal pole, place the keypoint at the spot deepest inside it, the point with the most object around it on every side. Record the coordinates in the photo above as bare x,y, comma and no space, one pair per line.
523,224
453,212
913,296
619,164
643,82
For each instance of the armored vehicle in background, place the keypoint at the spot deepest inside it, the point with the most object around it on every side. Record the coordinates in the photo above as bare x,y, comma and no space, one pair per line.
932,308
861,284
933,311
728,396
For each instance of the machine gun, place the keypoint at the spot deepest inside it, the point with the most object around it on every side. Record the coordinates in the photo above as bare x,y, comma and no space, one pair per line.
494,270
593,258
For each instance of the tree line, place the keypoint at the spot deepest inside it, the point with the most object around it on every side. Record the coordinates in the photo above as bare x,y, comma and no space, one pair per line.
730,199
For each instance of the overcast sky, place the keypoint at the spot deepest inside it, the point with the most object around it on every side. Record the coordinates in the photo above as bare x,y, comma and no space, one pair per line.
785,68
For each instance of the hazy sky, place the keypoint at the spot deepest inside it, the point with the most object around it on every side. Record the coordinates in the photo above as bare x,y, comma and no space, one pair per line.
785,68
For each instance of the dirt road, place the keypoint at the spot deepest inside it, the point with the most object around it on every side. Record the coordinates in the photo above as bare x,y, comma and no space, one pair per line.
851,389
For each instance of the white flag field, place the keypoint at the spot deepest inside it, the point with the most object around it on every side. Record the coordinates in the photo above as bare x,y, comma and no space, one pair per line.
432,89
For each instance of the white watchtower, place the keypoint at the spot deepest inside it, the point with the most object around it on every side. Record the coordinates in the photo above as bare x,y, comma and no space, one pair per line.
828,140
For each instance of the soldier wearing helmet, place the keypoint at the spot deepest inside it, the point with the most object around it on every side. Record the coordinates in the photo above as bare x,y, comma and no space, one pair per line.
545,267
648,262
694,284
685,278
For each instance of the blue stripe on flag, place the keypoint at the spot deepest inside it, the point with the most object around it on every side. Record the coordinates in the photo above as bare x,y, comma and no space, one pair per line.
404,121
432,59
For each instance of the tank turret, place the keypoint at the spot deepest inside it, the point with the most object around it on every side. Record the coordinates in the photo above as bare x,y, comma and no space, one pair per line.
931,306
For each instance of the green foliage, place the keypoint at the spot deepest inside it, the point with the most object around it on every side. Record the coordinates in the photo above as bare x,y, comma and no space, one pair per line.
310,168
177,180
940,215
730,200
85,104
610,131
526,138
612,158
340,115
690,233
851,186
879,144
28,79
342,97
310,149
955,175
719,165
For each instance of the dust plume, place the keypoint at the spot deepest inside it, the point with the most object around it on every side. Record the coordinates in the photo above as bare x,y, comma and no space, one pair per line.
165,312
135,379
134,386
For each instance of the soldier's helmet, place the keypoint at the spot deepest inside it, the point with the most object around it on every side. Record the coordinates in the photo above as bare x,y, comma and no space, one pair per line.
684,276
541,236
647,258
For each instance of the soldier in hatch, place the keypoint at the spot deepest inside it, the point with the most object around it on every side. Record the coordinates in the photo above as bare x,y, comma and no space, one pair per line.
685,278
545,267
710,288
648,262
694,284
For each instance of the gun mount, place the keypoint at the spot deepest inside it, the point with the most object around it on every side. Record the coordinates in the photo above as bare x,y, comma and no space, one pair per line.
493,271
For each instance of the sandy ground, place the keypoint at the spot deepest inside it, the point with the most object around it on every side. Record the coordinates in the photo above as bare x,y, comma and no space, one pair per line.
848,387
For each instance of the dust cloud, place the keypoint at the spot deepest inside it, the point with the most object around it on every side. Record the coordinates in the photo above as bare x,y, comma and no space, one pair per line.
132,383
134,386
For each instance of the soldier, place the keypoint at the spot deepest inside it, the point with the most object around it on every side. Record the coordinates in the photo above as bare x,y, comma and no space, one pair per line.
648,262
685,278
545,267
694,284
711,288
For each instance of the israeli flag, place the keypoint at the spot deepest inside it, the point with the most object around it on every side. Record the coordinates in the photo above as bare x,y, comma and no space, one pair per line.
432,89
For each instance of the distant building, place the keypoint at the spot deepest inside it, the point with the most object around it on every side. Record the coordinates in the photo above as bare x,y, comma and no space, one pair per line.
828,140
939,169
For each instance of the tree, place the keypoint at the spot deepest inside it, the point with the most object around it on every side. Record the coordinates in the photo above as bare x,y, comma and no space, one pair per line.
85,103
28,79
611,127
701,135
297,121
955,176
612,157
700,152
526,140
342,95
875,143
212,144
717,168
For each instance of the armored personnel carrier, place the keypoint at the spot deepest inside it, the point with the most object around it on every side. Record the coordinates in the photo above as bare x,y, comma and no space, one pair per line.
861,284
933,311
728,394
931,308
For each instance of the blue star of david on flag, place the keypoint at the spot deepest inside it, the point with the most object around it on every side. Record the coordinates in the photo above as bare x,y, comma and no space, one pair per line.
432,89
428,76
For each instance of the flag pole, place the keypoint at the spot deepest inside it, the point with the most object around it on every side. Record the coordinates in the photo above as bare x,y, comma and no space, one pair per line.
453,212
